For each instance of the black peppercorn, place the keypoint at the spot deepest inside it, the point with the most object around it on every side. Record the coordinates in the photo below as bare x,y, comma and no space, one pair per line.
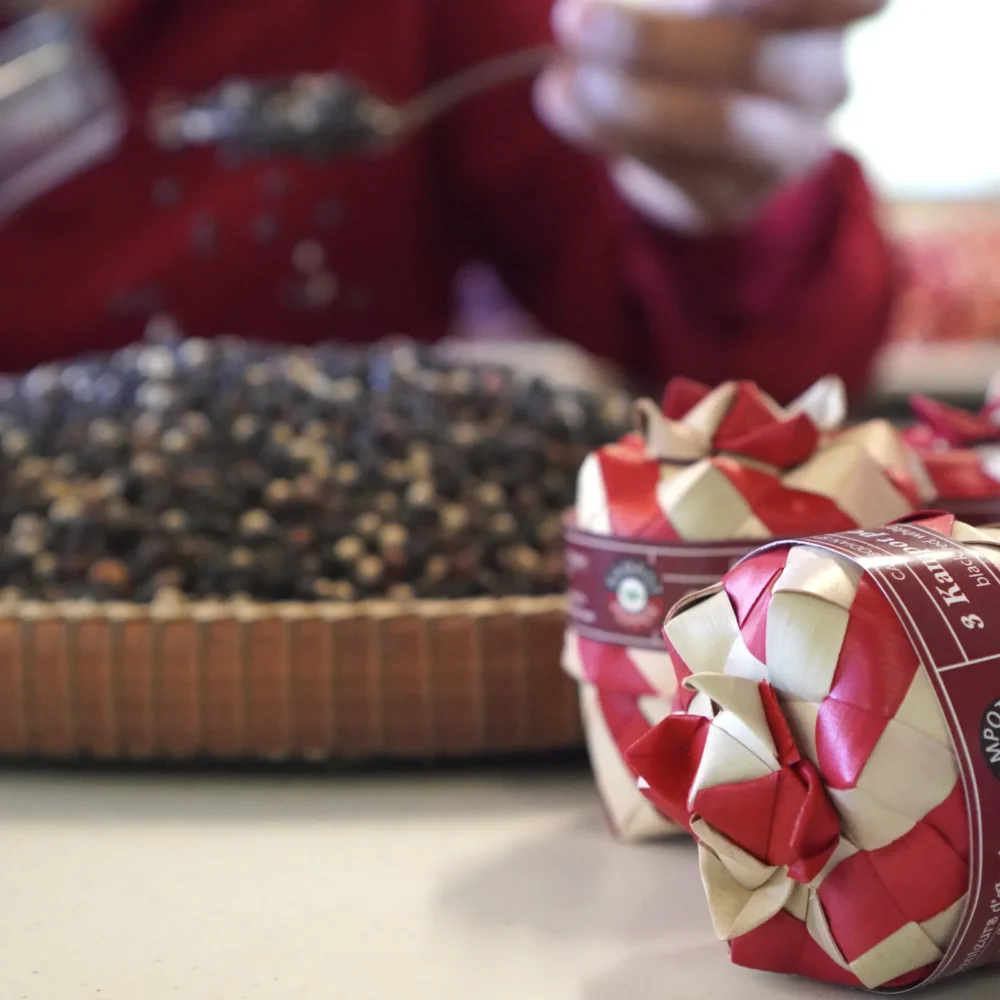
367,524
401,592
386,503
245,428
278,492
454,519
27,525
347,473
255,523
67,510
301,537
224,468
282,433
392,536
195,353
549,530
175,521
148,466
315,430
368,573
436,569
521,559
502,526
15,442
397,472
169,595
242,558
349,550
343,590
109,574
421,459
175,441
172,578
45,566
331,590
553,572
64,465
156,362
490,495
196,424
421,494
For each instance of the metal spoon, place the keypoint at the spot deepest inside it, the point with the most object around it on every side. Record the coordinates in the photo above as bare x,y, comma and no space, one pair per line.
324,115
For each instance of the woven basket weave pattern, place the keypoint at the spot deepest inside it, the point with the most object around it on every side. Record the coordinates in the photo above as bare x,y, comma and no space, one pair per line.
285,682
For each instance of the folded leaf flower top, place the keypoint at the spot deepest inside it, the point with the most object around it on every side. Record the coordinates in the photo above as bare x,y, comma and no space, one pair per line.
725,467
942,426
814,766
730,463
961,452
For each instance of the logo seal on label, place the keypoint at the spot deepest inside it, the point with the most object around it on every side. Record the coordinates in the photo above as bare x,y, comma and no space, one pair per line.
989,738
635,595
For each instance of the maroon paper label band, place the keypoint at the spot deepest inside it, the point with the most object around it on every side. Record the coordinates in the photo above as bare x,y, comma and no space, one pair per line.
948,600
621,589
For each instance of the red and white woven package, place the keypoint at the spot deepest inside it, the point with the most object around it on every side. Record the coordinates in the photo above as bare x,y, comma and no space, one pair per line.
838,753
709,477
961,452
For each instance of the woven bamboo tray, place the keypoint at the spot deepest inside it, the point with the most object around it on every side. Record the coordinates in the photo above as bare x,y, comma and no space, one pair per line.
310,682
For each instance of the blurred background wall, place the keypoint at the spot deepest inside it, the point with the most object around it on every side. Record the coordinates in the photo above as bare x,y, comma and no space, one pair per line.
925,92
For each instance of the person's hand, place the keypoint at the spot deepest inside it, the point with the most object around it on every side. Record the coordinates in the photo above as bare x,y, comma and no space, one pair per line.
706,108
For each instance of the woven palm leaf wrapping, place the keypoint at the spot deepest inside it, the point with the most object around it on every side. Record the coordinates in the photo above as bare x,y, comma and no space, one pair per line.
961,452
814,765
727,464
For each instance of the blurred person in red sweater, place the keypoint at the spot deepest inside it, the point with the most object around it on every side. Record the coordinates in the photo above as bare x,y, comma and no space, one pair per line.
674,205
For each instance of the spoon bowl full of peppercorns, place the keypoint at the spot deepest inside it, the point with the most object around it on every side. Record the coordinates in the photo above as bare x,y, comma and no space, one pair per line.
323,115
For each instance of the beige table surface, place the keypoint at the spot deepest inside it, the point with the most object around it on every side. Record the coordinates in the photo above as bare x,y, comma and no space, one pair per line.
462,887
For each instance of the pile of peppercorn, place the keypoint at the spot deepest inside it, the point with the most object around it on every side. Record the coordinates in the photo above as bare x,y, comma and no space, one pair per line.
216,469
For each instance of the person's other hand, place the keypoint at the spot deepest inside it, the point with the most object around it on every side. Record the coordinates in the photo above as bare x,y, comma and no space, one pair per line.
706,108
